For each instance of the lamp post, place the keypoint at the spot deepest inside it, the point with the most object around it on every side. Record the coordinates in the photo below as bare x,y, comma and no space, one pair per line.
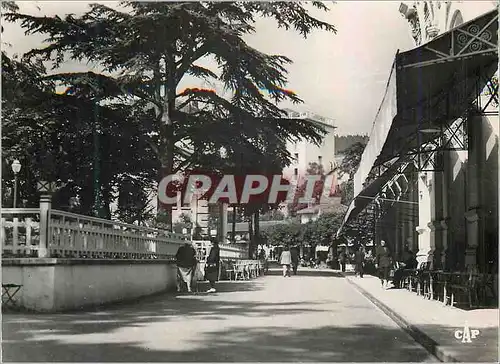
16,168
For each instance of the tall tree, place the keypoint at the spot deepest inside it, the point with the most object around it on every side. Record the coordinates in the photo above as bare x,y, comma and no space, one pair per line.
146,49
314,169
361,229
349,166
352,158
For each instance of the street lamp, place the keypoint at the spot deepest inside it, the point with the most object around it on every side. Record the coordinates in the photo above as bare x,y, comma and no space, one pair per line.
16,168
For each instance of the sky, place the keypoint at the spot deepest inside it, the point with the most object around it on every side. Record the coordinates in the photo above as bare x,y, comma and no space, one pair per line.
340,76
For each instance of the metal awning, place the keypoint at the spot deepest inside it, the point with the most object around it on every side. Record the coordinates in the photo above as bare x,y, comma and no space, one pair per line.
428,87
370,192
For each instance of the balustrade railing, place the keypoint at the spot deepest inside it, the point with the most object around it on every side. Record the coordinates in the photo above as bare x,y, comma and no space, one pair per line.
73,235
52,233
20,232
38,232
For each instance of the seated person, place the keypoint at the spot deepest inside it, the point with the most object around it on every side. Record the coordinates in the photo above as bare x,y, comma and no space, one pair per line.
409,262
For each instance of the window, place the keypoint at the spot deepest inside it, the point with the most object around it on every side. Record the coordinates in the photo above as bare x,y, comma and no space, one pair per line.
320,159
296,172
296,157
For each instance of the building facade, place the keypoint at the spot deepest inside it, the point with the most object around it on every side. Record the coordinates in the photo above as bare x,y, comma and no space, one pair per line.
430,169
457,224
304,152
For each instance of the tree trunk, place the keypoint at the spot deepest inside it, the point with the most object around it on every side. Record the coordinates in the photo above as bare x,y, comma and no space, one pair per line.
106,202
233,225
167,143
256,234
250,232
96,164
164,212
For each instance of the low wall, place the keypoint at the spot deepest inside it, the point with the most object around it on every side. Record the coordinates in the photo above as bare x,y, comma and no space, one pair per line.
55,284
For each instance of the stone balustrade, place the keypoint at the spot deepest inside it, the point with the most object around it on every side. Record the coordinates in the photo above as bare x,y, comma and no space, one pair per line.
68,235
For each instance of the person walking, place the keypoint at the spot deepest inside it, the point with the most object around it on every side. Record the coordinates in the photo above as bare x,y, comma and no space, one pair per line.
186,265
360,261
384,262
342,260
294,252
212,266
286,261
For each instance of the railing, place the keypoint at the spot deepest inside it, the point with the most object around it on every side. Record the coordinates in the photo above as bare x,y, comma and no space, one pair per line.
20,232
87,237
226,250
53,233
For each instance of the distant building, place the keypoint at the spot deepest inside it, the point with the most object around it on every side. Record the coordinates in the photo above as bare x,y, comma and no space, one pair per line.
312,213
430,178
305,152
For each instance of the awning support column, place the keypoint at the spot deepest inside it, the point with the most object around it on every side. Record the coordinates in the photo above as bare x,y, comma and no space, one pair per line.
413,239
472,215
445,216
425,245
436,217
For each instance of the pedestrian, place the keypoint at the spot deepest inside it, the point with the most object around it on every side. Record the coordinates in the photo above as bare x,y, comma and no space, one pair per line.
186,265
360,261
409,262
342,260
262,254
212,266
286,261
294,252
384,262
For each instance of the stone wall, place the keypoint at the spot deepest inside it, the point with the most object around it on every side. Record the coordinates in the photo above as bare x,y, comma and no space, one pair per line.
51,284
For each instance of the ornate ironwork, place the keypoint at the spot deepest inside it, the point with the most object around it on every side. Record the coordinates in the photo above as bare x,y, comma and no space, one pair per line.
470,39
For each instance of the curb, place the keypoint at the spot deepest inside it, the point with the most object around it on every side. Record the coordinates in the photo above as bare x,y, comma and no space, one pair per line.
418,335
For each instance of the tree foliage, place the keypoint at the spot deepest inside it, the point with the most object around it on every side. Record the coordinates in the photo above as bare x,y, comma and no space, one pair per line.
283,234
67,139
314,169
348,166
184,222
343,142
352,158
145,50
322,231
361,228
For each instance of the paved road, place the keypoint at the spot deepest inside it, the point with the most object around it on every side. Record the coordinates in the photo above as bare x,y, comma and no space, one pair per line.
315,316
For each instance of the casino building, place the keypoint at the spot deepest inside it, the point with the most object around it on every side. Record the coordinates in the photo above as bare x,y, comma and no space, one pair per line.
429,173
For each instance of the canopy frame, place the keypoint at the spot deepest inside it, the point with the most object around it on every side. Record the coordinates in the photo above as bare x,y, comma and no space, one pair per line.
463,43
436,87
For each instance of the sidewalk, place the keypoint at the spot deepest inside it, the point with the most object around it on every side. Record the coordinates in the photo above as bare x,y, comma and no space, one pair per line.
433,325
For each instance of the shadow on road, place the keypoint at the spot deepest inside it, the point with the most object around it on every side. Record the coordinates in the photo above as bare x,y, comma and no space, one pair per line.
164,329
362,343
311,272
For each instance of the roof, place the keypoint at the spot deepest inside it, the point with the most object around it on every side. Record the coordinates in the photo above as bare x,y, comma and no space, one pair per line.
419,88
313,117
324,208
242,227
